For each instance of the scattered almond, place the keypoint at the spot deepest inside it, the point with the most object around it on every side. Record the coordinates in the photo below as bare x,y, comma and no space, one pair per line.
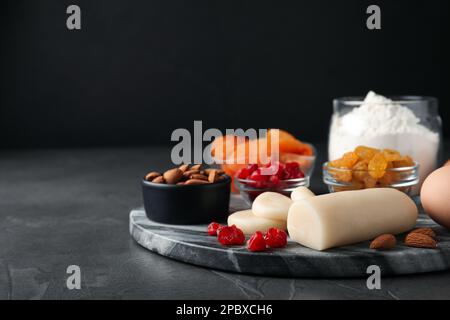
427,231
384,242
419,240
159,179
172,176
152,175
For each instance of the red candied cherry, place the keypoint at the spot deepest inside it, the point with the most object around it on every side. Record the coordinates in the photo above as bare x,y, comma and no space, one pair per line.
258,176
256,242
212,228
230,235
274,181
252,167
260,180
292,171
275,168
243,173
276,238
300,174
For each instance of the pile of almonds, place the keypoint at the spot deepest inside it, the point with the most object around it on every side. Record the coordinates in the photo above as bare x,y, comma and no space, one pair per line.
418,238
187,175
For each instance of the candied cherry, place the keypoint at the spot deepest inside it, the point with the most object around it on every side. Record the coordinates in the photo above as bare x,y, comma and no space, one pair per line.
256,242
274,181
276,168
243,173
292,170
252,167
230,235
212,228
260,180
275,238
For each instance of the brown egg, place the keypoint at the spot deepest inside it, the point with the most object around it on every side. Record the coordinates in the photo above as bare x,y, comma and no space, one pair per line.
447,163
435,196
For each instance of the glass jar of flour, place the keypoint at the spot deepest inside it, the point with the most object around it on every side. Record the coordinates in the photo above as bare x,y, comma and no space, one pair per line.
408,124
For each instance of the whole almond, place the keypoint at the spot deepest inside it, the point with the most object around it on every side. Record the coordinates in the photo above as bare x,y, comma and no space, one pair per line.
419,240
173,176
384,242
180,183
427,231
152,175
196,167
198,176
219,171
184,167
195,182
188,173
159,179
212,177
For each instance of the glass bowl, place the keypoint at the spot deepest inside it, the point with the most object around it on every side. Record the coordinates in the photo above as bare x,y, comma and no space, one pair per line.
306,163
340,179
249,192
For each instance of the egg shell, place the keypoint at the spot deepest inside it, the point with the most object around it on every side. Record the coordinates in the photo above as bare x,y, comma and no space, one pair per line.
435,196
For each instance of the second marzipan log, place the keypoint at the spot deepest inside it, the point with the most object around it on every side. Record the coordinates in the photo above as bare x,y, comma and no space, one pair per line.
348,217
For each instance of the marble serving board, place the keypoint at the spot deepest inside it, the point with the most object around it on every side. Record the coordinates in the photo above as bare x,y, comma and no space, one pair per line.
191,244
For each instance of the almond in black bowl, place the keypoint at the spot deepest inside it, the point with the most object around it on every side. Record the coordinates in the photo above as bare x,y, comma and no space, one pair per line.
186,195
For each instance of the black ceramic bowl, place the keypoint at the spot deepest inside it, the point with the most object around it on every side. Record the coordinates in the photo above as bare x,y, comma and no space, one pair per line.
191,204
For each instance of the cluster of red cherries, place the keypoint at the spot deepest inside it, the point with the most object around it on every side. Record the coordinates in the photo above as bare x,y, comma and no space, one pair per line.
273,176
232,235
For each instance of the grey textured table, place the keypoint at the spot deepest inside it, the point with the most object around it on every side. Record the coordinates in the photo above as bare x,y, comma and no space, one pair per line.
70,207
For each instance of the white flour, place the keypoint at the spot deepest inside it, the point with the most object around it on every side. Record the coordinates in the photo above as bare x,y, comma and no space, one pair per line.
381,123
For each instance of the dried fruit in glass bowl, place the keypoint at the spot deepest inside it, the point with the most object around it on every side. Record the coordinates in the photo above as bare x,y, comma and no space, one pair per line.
279,177
367,167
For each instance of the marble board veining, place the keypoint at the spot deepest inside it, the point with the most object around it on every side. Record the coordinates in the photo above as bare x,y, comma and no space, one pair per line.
191,244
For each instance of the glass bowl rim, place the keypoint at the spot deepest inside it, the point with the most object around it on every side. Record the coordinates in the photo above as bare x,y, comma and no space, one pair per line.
326,167
398,99
297,182
305,178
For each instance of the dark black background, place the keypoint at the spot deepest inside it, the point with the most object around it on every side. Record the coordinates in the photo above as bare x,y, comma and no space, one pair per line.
140,69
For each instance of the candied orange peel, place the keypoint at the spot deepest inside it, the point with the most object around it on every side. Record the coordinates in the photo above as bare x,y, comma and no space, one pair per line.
367,167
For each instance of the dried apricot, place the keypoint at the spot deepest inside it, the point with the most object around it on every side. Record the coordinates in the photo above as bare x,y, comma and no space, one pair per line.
405,161
370,182
356,185
349,159
391,155
360,170
345,175
366,152
341,174
336,163
377,165
389,177
368,167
